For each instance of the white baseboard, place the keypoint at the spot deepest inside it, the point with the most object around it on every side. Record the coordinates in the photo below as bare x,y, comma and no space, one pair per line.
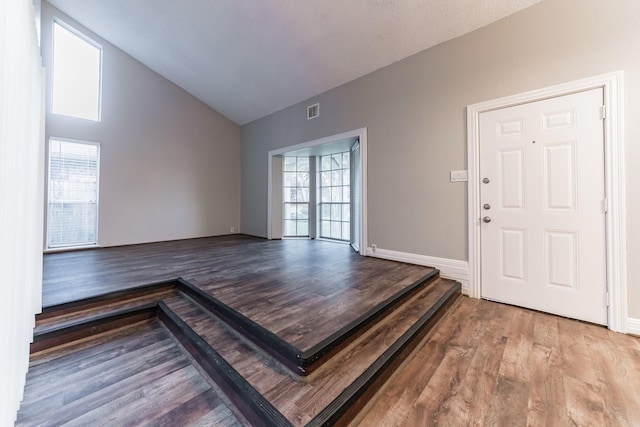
633,326
449,268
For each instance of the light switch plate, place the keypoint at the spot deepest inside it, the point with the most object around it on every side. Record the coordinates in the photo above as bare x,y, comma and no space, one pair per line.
458,176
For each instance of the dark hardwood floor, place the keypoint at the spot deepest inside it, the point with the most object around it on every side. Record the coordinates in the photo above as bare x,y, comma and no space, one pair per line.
482,363
312,295
136,375
301,290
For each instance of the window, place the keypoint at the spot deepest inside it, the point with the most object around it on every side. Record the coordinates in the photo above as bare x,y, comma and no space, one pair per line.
76,74
296,196
72,206
335,191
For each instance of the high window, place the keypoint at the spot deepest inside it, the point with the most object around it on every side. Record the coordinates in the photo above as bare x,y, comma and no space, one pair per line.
296,196
335,192
76,74
72,204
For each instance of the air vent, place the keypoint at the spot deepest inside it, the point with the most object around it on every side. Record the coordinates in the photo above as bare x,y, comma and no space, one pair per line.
313,111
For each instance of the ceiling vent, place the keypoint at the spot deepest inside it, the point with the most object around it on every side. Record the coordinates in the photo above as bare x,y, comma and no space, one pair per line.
313,111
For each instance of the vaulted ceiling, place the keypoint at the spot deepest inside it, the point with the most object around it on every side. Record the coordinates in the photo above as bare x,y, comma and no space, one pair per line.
248,59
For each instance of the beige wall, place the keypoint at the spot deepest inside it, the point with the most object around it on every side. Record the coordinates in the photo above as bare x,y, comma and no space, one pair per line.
169,163
415,114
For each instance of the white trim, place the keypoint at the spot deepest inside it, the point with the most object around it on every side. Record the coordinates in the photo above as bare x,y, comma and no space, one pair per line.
612,85
357,133
449,268
633,326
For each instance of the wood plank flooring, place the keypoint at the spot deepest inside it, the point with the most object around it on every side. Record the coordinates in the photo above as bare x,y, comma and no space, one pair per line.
489,364
301,399
484,364
133,376
301,290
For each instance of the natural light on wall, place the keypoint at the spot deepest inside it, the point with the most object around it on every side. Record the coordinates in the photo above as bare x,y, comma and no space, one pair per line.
76,74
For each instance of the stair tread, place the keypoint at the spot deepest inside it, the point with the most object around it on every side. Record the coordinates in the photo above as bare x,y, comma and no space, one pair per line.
321,304
301,399
313,321
67,319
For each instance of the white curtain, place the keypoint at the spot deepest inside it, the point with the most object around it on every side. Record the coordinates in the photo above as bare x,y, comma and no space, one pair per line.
21,196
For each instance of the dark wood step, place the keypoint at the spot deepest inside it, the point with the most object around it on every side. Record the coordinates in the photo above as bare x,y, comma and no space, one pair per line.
338,389
55,319
351,364
106,299
302,362
93,325
253,406
64,323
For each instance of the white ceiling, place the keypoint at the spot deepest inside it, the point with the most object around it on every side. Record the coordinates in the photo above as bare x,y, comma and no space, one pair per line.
248,59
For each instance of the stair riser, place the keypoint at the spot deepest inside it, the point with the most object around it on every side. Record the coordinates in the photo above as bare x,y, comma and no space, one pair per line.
105,300
90,328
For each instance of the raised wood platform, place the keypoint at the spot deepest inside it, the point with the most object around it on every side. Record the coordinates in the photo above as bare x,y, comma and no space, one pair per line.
348,324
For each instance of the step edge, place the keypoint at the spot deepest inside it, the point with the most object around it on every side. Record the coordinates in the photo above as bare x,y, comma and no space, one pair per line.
300,362
365,321
58,309
334,411
253,405
261,337
103,323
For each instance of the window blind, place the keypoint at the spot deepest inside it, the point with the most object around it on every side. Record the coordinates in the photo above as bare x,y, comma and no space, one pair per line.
72,218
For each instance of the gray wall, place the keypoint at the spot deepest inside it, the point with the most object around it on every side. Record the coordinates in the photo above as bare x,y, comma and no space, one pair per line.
169,163
415,114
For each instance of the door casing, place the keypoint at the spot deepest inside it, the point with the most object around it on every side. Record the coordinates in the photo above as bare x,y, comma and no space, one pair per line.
615,223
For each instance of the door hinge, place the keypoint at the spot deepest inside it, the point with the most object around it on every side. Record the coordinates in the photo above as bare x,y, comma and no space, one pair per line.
605,205
603,111
607,299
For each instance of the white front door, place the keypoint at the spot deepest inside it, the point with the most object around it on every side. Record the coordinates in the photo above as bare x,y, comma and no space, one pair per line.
543,206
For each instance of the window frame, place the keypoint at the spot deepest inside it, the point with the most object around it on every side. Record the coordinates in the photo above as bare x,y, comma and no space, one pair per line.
296,203
342,203
57,21
58,248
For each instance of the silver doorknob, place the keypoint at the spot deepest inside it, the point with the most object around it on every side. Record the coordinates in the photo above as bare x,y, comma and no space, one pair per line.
485,180
486,219
486,206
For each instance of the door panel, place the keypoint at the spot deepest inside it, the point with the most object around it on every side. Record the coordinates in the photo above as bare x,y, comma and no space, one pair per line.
560,177
511,178
543,244
513,251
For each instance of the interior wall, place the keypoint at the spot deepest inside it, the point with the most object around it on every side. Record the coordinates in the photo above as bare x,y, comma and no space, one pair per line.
416,118
168,162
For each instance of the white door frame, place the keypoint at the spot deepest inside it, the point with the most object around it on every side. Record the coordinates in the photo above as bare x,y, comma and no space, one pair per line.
359,133
615,222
